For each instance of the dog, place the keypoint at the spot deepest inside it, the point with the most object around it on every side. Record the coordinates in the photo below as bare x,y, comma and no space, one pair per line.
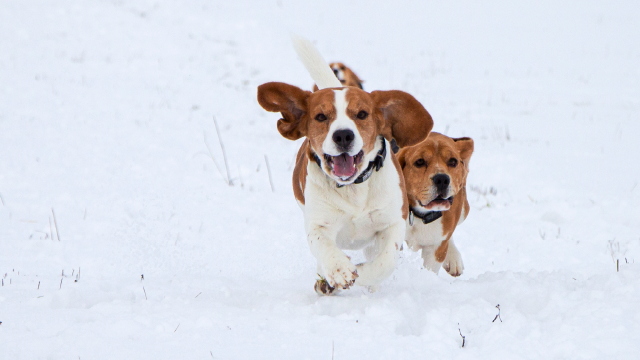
347,182
346,76
435,173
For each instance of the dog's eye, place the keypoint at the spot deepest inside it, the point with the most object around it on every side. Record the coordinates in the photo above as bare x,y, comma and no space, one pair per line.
420,163
362,115
321,117
452,162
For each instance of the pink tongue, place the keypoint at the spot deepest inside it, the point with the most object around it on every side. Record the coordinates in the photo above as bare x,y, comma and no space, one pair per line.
343,166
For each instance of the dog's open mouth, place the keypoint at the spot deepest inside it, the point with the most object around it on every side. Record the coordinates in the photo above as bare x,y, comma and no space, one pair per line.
438,204
344,166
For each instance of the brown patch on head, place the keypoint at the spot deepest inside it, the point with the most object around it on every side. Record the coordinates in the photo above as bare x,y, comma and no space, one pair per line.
320,103
359,102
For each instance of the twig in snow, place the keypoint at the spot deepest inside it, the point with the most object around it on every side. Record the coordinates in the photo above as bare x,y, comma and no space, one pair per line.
210,352
542,234
497,316
198,294
2,200
141,277
60,284
463,337
55,224
213,159
38,285
266,160
617,265
224,153
145,293
332,348
633,188
177,327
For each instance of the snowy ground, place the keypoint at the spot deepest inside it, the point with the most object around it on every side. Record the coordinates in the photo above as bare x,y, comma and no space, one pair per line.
104,111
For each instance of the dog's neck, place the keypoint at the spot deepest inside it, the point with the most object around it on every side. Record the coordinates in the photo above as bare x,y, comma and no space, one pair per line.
426,218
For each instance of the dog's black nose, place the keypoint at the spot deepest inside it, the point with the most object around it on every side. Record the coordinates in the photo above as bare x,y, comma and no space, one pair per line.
335,71
343,138
441,181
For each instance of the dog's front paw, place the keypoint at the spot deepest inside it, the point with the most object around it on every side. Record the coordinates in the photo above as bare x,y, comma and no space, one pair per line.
453,262
339,272
322,288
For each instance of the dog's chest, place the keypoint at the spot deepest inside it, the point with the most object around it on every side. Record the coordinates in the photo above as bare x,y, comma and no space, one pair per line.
355,212
420,234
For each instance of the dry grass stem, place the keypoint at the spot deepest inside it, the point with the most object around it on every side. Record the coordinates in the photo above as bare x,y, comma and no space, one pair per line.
55,224
266,160
224,153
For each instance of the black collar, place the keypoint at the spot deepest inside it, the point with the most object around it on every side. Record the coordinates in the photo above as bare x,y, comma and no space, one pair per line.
428,217
376,164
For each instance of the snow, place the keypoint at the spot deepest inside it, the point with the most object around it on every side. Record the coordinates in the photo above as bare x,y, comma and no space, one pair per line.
104,111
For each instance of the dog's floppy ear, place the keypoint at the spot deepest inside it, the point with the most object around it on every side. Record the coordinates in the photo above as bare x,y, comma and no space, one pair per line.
465,146
405,119
401,159
291,102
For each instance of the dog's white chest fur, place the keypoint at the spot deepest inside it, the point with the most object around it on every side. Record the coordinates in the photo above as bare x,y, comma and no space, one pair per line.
420,234
354,213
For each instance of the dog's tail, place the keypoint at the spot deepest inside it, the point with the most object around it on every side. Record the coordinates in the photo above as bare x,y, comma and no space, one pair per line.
316,66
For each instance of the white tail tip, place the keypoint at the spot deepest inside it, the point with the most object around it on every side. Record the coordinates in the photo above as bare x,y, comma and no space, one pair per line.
317,67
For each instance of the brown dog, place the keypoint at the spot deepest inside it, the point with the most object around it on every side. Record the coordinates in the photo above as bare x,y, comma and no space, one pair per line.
435,173
346,76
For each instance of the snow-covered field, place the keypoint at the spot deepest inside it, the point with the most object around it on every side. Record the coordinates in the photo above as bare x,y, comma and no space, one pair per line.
106,108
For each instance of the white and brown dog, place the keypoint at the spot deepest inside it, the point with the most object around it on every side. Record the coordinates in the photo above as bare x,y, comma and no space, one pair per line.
348,184
346,76
435,173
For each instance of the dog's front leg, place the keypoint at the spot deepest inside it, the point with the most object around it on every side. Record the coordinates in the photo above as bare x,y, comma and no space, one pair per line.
386,245
337,269
453,261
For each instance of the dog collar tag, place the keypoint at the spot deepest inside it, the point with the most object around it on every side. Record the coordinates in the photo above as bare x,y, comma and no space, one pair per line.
411,218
